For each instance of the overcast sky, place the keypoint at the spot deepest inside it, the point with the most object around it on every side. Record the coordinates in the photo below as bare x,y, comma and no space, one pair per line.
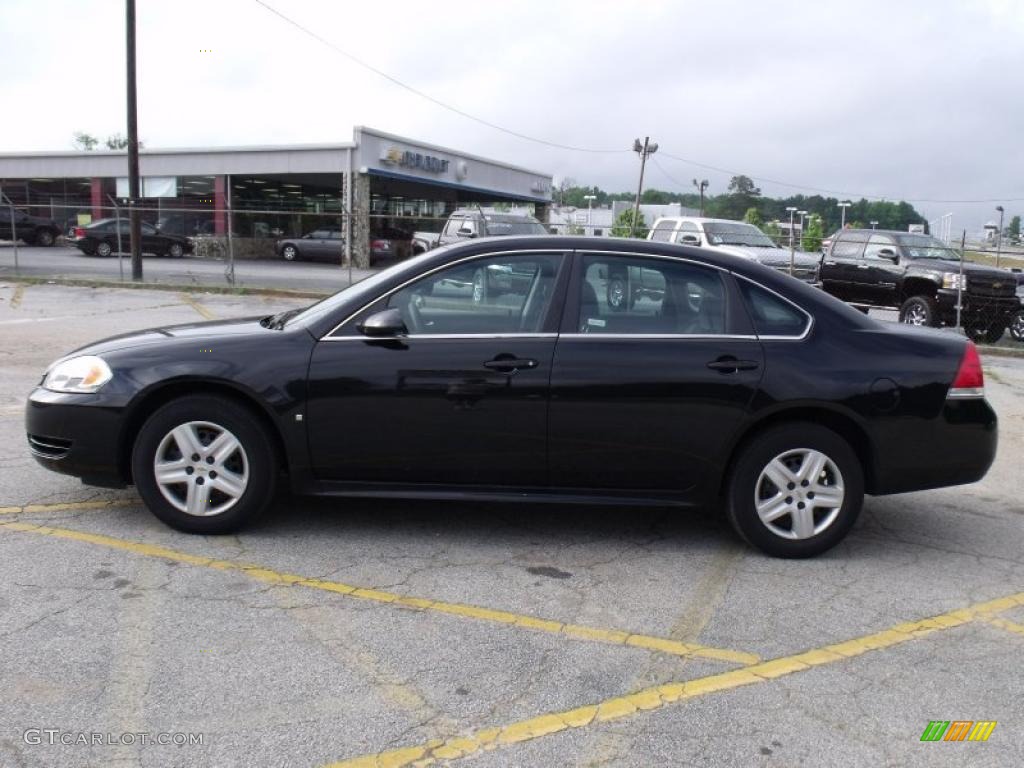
913,100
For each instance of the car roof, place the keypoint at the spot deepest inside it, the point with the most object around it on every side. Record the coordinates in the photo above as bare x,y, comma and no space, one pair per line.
842,232
697,220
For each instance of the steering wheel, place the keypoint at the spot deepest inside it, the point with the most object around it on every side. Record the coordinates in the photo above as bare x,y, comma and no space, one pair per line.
415,319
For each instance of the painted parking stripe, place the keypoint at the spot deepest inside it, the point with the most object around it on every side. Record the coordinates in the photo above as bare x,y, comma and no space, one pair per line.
205,313
269,576
661,696
1009,626
70,505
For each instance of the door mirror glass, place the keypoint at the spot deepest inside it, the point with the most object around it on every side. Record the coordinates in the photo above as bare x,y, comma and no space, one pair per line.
689,239
466,232
889,254
385,324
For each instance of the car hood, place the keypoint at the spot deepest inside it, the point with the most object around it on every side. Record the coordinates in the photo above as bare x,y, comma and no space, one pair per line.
949,265
771,257
206,332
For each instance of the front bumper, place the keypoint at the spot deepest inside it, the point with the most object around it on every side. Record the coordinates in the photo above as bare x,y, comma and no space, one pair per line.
986,309
77,435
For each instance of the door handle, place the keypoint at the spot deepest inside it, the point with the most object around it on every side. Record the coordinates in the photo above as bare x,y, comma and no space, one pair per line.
829,263
729,364
509,364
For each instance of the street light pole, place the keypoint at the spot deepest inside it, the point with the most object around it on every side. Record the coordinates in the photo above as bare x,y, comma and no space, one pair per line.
999,235
135,225
590,207
843,207
644,150
802,214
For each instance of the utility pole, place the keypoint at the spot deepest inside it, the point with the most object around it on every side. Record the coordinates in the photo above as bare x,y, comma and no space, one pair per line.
701,186
590,211
792,254
844,206
135,224
999,235
644,150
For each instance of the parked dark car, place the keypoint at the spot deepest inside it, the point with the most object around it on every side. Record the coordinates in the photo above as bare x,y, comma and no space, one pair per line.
920,276
101,239
390,243
31,229
738,387
319,245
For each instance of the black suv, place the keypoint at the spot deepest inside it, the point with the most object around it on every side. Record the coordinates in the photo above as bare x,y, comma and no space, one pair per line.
921,276
33,230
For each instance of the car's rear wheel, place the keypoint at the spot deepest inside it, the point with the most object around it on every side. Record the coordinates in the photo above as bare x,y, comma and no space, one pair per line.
204,464
920,311
795,490
175,251
289,253
103,249
986,334
43,237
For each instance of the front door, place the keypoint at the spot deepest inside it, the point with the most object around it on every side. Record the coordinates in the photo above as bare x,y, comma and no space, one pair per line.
461,399
648,397
843,266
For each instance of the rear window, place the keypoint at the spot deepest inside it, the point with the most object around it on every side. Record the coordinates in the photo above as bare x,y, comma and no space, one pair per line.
773,315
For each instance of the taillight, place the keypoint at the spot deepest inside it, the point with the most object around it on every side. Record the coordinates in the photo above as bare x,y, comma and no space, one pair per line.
380,245
970,380
79,231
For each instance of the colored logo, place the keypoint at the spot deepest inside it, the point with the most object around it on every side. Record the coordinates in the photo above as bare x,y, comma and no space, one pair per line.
417,160
958,730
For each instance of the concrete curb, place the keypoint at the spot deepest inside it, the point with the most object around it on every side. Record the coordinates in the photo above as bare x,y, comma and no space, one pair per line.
1000,351
286,293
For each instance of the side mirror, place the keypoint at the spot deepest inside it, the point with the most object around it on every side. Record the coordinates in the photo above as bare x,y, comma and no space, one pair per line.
689,239
889,254
382,325
466,232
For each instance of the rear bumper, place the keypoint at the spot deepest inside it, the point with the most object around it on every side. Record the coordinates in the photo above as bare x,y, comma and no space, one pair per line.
76,435
956,448
986,309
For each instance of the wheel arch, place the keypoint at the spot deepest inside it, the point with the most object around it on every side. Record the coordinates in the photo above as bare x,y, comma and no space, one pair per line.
842,423
918,286
156,396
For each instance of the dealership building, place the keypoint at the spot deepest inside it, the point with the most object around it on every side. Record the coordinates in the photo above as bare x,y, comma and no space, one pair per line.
387,182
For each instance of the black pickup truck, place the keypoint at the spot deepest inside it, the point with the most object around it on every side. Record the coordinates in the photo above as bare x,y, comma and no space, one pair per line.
33,230
922,277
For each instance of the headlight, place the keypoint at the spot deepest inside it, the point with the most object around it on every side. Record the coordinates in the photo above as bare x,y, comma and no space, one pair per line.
954,280
79,374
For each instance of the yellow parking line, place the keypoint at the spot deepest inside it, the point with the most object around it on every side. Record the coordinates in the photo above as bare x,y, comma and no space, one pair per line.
269,576
203,311
1009,626
70,505
660,696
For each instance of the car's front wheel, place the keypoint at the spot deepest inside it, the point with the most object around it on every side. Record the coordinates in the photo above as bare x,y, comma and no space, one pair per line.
919,310
103,249
175,251
795,490
1017,327
43,237
289,253
204,464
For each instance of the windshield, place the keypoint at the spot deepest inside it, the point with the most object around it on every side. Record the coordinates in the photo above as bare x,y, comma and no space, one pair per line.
736,233
514,225
927,247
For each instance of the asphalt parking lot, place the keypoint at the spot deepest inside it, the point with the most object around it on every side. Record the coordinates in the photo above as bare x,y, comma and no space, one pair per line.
400,633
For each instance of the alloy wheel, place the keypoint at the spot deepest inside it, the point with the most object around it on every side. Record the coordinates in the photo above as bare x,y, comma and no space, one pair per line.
201,468
799,494
916,315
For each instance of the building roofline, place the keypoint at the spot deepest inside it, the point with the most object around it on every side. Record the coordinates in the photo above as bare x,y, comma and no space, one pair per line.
182,150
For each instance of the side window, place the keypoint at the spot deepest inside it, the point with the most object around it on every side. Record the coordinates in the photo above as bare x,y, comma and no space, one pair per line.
501,294
688,228
641,296
334,234
663,231
451,229
848,246
318,234
772,315
877,243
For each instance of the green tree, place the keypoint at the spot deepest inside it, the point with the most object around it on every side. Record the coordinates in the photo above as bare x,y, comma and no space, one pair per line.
1013,231
624,222
813,234
84,141
743,185
753,216
117,141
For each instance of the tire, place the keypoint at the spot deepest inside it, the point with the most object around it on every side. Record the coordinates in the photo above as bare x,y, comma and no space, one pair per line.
43,238
985,335
1017,327
240,482
616,294
480,287
104,249
290,253
920,311
175,251
783,451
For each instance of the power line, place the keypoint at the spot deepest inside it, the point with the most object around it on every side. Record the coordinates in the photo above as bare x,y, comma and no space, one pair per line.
593,150
427,96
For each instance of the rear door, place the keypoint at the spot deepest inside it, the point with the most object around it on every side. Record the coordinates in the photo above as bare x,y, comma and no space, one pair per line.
648,398
842,266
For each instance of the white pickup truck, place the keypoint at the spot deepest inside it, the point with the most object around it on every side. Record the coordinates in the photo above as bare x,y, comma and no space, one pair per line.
467,224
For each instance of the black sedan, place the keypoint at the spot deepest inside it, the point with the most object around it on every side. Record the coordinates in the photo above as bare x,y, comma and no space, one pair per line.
733,386
101,239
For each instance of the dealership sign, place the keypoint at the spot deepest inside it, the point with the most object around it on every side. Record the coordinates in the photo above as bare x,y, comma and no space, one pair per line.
405,158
